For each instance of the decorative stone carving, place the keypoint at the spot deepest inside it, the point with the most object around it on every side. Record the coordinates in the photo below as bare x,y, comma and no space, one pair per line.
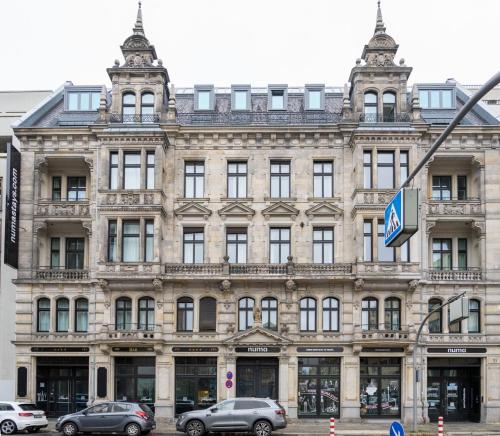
368,198
103,284
111,199
87,226
359,285
284,328
39,226
149,199
257,314
290,285
230,328
225,286
157,284
130,199
412,285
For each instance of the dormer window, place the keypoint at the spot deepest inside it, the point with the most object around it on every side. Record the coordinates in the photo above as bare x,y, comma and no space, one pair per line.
128,107
277,97
204,98
389,107
436,98
147,107
240,97
82,101
315,97
370,107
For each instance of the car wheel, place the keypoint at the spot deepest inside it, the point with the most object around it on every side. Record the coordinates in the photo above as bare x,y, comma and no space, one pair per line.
133,429
8,427
195,428
262,428
69,429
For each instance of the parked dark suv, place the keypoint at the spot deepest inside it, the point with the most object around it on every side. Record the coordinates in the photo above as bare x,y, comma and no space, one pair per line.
115,417
258,415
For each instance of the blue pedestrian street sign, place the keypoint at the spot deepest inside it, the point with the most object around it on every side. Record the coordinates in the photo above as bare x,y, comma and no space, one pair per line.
396,429
401,217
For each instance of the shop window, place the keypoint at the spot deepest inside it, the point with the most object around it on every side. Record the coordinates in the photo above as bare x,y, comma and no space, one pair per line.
43,315
380,386
435,322
369,314
280,179
392,313
195,383
208,314
323,179
146,314
270,313
135,380
323,245
330,315
194,176
237,179
245,313
123,314
308,315
147,107
128,107
441,254
279,244
62,315
370,107
389,106
185,307
75,250
193,245
474,320
81,315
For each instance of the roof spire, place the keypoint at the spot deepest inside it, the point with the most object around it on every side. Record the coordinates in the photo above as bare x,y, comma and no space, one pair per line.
380,27
138,29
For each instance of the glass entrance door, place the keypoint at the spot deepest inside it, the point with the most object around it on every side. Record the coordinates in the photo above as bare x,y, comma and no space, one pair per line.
257,377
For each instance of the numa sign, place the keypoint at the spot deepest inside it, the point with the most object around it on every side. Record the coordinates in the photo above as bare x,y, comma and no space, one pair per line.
11,244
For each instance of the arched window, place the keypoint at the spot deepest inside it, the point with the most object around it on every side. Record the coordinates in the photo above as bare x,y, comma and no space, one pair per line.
370,107
369,314
146,313
474,322
208,314
392,314
128,107
330,315
435,320
270,313
308,315
123,313
185,308
389,106
81,315
245,313
147,107
62,315
43,315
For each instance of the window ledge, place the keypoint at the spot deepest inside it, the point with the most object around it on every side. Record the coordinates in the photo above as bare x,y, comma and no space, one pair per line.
323,199
187,199
277,199
243,199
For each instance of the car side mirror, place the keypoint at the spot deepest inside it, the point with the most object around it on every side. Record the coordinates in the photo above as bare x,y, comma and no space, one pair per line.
213,409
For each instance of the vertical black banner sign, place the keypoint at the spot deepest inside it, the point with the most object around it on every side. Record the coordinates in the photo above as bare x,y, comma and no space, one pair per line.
13,184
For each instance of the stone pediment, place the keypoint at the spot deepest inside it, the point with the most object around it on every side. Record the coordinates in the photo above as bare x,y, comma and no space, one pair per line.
192,210
236,209
280,209
323,210
258,335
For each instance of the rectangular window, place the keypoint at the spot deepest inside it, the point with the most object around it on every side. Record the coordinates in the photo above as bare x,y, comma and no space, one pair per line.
385,170
462,187
75,249
405,251
367,170
113,170
112,241
56,188
279,244
323,179
436,99
314,99
236,179
131,241
280,179
277,99
323,245
194,175
204,100
132,170
368,241
149,241
150,170
441,187
462,253
83,101
55,253
236,244
403,166
441,254
240,100
193,245
77,187
385,254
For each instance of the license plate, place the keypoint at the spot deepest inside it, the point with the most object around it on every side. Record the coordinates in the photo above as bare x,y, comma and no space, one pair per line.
37,416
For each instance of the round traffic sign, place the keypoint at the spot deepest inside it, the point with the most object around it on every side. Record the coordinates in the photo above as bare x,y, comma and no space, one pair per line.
229,375
396,429
229,384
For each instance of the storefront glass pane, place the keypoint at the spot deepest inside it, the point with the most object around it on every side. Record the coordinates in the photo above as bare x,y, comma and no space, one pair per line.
135,379
390,392
307,396
330,396
434,396
369,397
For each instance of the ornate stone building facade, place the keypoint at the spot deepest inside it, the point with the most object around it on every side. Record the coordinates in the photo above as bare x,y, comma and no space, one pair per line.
181,247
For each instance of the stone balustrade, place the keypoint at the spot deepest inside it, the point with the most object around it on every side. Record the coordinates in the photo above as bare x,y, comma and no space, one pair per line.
136,198
455,208
465,274
50,208
61,274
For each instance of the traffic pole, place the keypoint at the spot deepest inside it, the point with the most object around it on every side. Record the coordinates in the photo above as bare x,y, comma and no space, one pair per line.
332,426
440,426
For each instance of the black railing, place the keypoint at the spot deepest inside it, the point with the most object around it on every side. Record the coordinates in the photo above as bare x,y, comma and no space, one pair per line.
134,119
403,117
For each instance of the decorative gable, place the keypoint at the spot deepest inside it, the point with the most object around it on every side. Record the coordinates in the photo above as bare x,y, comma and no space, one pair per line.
258,336
324,210
280,209
192,210
236,209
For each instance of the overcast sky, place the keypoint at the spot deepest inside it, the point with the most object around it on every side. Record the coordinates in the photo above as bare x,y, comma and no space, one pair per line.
46,42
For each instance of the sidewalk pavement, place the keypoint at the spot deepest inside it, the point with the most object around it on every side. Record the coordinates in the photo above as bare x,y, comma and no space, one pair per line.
365,428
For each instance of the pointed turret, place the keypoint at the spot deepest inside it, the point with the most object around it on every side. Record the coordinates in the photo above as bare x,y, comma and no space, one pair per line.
138,29
379,27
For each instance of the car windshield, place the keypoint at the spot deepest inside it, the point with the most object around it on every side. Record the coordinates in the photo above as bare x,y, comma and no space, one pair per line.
28,406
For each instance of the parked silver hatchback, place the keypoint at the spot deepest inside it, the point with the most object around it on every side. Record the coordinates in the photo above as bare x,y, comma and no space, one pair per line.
258,415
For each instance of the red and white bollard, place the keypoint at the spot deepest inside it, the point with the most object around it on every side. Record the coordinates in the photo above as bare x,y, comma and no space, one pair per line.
440,426
332,426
